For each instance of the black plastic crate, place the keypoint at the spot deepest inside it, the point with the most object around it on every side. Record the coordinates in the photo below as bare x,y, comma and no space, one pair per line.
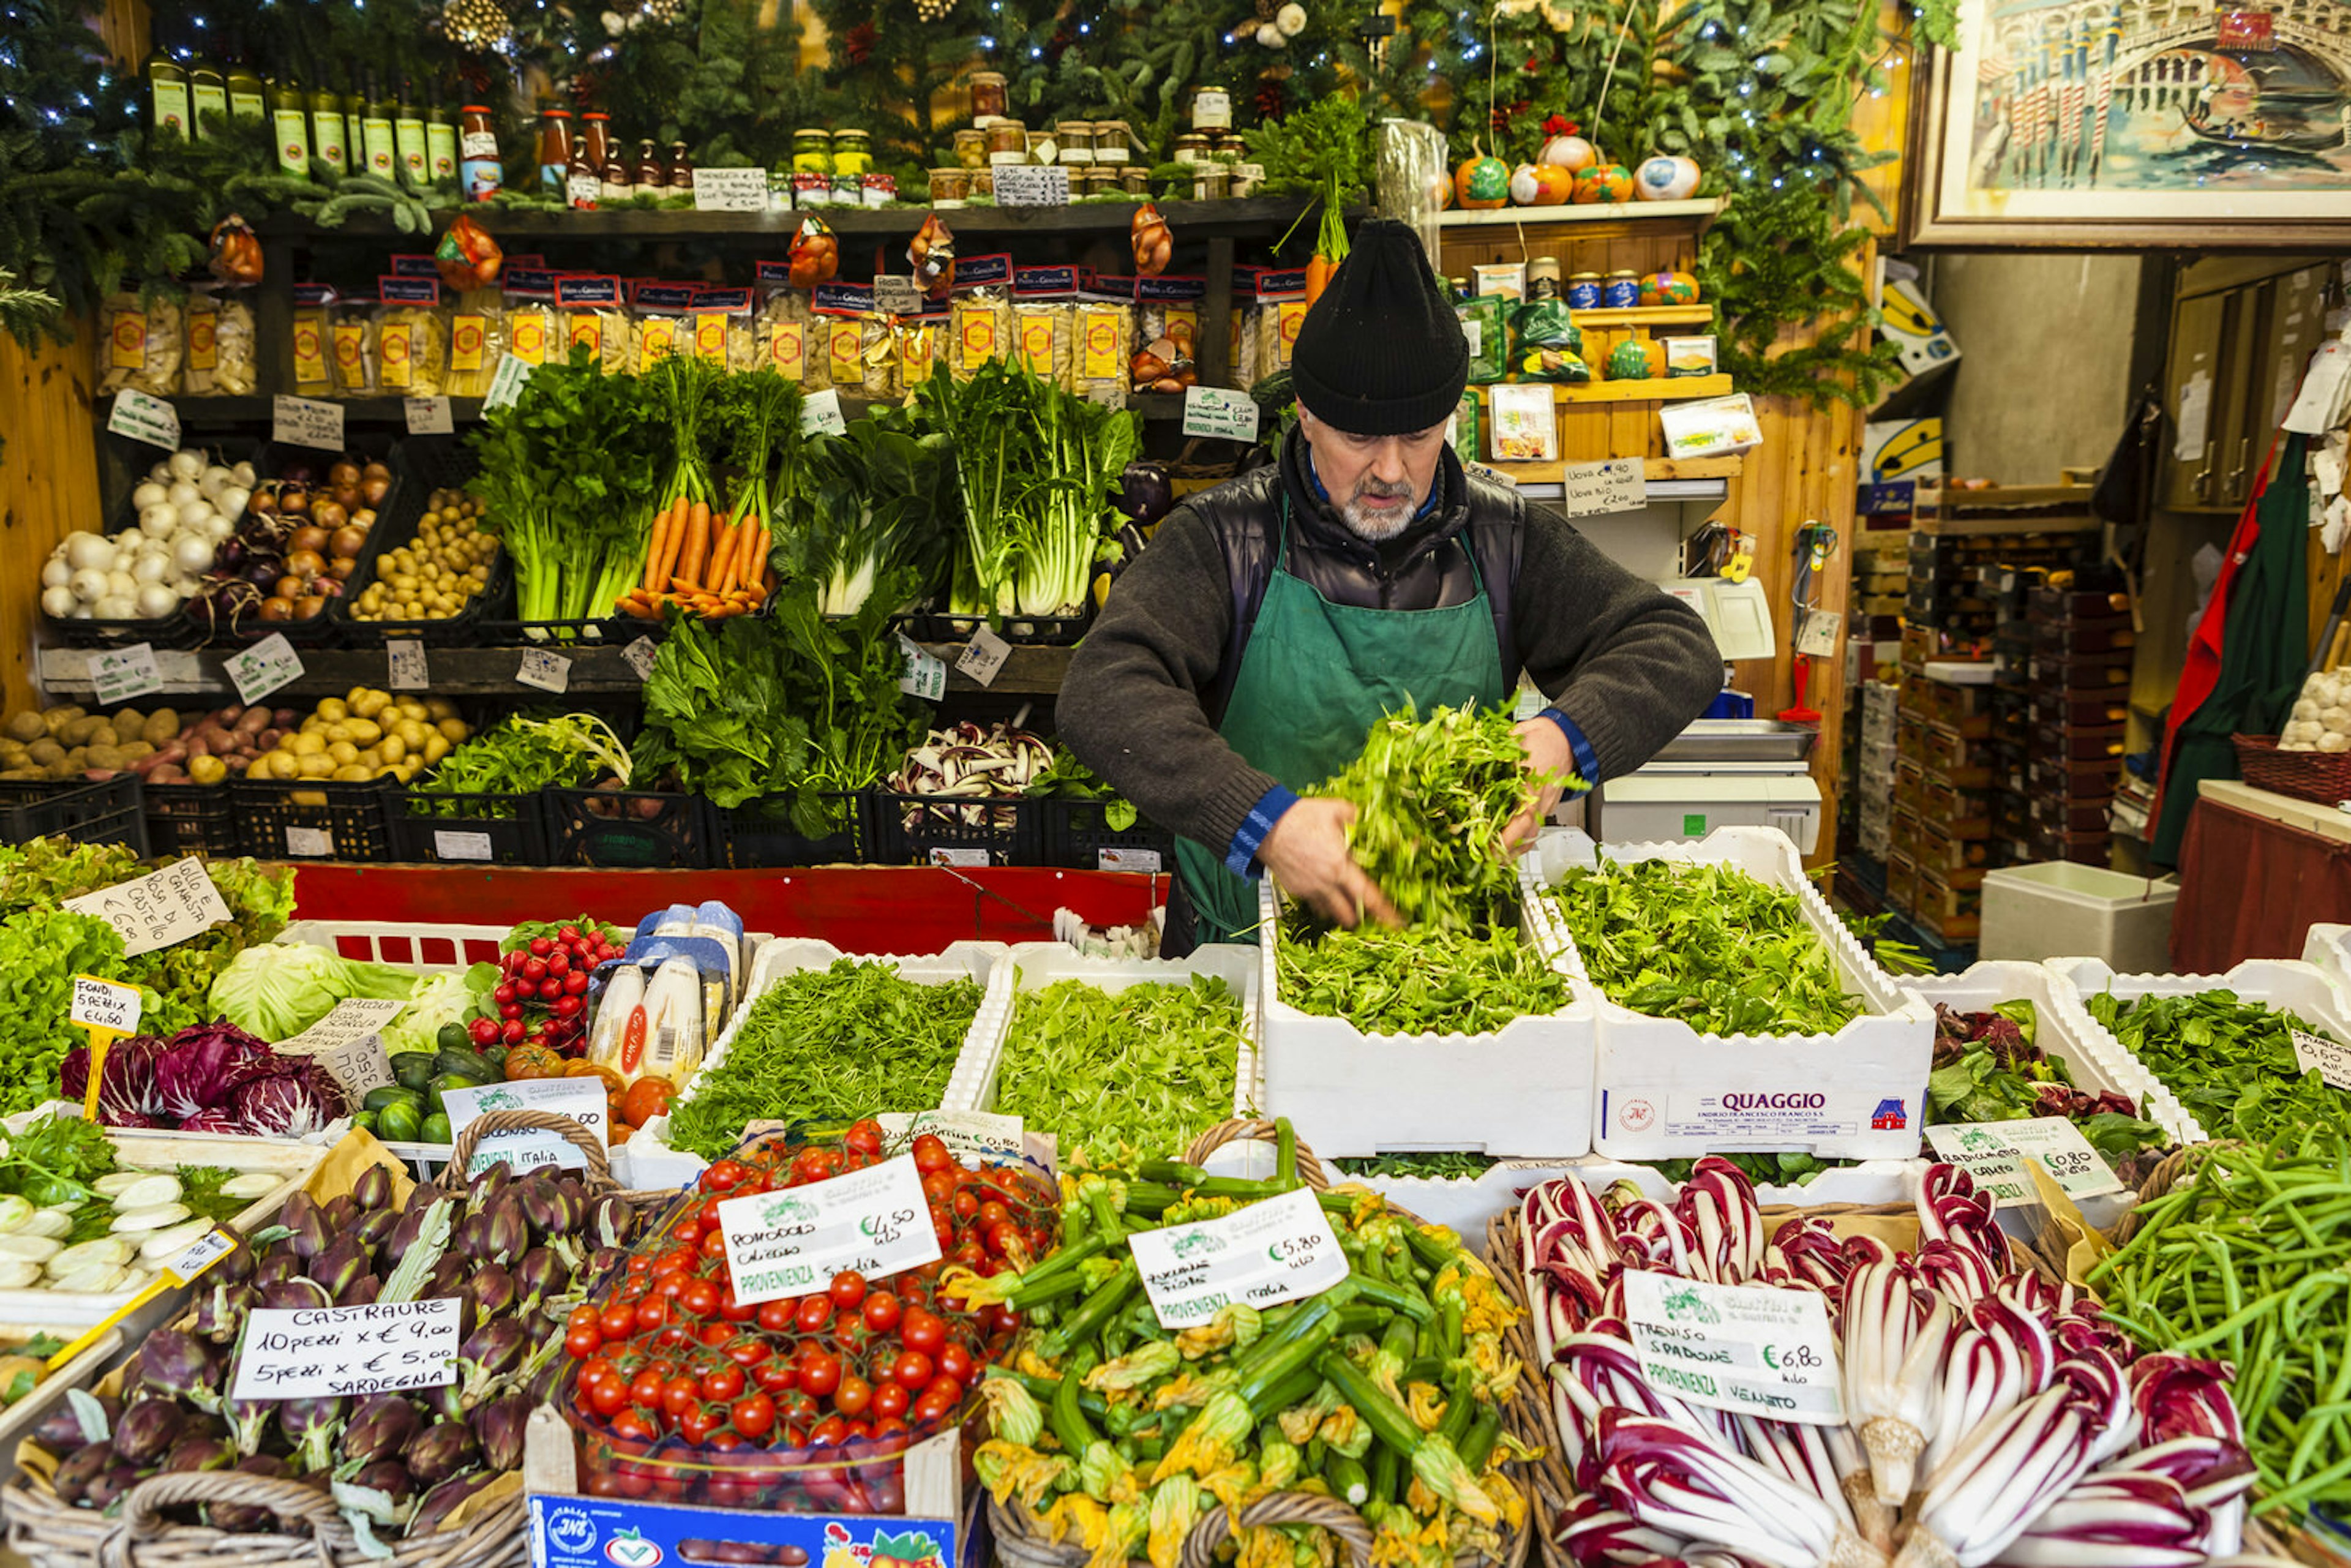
1078,834
313,818
421,467
1020,630
478,829
674,830
925,829
759,834
499,628
191,820
105,812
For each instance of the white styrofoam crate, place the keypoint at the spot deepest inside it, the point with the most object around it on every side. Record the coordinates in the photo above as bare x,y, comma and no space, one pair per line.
1036,965
781,956
414,945
1468,1203
2329,947
1523,1090
1859,1093
2289,983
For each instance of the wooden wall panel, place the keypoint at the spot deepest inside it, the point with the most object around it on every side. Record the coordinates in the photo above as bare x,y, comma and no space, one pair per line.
48,486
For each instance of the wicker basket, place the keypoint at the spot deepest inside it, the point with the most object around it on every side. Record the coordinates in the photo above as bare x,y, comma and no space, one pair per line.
50,1534
1019,1545
2321,776
1532,1421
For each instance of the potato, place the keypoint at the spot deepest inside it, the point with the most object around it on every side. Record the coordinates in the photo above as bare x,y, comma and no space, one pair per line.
136,751
57,718
317,765
412,733
45,752
26,726
76,756
106,735
393,748
162,725
169,774
62,769
366,731
77,731
452,730
436,746
284,765
370,703
343,752
351,773
440,708
28,774
105,758
127,720
308,798
207,769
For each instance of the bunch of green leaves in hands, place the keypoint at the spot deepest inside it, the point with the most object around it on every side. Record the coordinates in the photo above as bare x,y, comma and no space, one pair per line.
520,755
829,1045
1416,981
1143,1070
2232,1065
1432,796
1709,944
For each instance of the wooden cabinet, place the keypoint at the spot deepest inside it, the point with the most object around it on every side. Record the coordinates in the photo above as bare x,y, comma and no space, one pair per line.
2241,332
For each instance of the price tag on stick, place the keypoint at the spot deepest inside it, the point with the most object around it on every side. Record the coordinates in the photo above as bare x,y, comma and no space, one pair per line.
109,1010
159,910
2331,1061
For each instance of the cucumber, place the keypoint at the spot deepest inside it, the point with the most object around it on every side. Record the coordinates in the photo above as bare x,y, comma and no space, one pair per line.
400,1121
448,1081
413,1070
435,1129
454,1037
364,1121
390,1094
468,1063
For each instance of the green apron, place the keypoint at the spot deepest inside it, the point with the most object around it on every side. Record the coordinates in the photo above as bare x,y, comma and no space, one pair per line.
1314,678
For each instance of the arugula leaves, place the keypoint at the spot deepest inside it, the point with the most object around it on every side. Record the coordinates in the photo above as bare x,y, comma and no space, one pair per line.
1417,980
1145,1069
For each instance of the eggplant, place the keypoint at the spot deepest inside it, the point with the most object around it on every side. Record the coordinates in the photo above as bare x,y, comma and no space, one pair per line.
295,1295
443,1499
1144,493
310,1424
490,1293
378,1428
337,1266
541,1276
112,1483
81,1467
147,1431
241,1520
440,1451
61,1431
198,1452
372,1191
361,1292
498,1426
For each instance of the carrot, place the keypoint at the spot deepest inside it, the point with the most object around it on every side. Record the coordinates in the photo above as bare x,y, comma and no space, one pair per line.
698,531
1318,274
672,545
754,564
721,574
657,545
683,588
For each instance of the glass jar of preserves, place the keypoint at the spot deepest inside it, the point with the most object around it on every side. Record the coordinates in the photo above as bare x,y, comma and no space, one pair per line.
1212,108
987,94
982,182
853,151
1211,181
950,187
1136,178
1584,291
1543,277
1622,291
1007,142
848,191
1191,147
1113,142
1042,148
971,149
1247,178
1076,138
812,151
1228,148
681,168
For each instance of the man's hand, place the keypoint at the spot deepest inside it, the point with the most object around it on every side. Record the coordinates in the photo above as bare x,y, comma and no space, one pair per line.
1547,753
1307,854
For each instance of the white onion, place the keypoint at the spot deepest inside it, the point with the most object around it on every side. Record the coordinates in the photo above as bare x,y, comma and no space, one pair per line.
85,549
88,585
57,602
193,553
118,580
213,481
159,519
56,573
188,587
161,474
245,473
157,601
147,494
230,502
116,607
218,529
186,463
192,514
153,566
181,492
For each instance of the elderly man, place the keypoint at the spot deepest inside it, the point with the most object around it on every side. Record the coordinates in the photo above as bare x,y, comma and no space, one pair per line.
1244,656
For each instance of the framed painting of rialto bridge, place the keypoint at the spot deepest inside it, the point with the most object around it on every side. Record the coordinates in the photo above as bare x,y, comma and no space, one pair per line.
2057,124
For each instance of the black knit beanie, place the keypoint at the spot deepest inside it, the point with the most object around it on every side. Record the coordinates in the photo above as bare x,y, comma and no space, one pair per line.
1381,352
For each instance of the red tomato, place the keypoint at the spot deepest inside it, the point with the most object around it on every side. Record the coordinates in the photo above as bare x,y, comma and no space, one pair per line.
609,1397
687,1230
922,1331
800,1410
864,1135
733,1310
580,1318
775,1316
1004,1236
776,1376
819,1373
814,1313
830,1432
944,1389
724,1380
928,1411
931,1154
652,1312
725,1175
620,1320
753,1415
678,1396
718,1333
881,1311
848,1289
747,1352
992,1212
955,1362
888,1425
714,1246
889,1399
852,1396
583,1343
939,1186
911,1370
965,1205
635,1426
700,1298
646,1389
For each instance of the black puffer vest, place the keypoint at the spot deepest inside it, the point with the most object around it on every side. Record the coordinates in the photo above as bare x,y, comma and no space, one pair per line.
1426,568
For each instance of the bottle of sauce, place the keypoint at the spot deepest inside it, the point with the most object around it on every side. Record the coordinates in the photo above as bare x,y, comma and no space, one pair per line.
289,124
554,151
595,137
440,143
378,134
207,93
328,142
479,169
583,183
245,94
619,184
681,168
408,136
649,177
167,92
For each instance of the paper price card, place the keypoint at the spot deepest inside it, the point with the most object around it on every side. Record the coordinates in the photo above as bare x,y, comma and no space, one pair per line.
2317,1053
306,422
1596,489
581,1099
1032,185
926,675
428,416
321,1353
896,295
505,382
547,672
265,667
730,190
144,418
983,657
105,1005
405,669
968,1135
1995,1155
158,909
1220,413
1751,1349
1280,1250
640,655
788,1243
820,414
118,674
348,1042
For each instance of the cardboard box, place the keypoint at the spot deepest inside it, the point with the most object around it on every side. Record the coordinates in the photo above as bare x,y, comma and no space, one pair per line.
1905,450
1908,321
1710,427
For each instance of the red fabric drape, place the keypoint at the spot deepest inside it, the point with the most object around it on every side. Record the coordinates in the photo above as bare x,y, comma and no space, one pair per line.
2251,888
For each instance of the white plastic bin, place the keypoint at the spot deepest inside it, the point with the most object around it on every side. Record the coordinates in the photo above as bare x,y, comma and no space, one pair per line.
2329,947
2058,909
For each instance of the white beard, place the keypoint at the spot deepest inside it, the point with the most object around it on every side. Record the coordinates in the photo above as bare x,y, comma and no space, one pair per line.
1375,527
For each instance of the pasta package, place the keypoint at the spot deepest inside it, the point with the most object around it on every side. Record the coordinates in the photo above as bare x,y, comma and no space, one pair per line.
725,329
534,332
477,341
788,339
143,345
222,356
313,339
411,337
351,348
592,311
980,313
664,319
918,348
1098,369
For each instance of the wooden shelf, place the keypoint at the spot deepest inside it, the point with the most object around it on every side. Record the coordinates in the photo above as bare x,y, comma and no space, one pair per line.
1659,389
1702,210
1647,316
1656,470
227,413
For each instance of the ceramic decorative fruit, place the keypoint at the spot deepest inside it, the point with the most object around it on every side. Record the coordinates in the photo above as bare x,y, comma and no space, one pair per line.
1540,185
1564,149
1636,359
1603,182
1670,289
1482,182
1664,179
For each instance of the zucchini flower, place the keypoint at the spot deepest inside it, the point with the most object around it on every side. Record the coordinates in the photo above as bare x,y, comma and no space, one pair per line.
1096,1270
1013,1413
1211,1439
1345,1432
1404,1540
1192,1210
1124,1529
1028,1361
1426,1404
1187,1391
1175,1508
1105,1477
1277,1461
1437,1466
1235,1326
1498,1371
1146,1363
1075,1514
957,1281
1487,1310
1007,1469
1235,1486
1298,1423
1262,1546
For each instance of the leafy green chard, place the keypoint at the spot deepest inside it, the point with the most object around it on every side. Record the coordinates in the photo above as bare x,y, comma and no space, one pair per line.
1417,980
830,1045
1712,946
1456,1166
1144,1069
884,500
2232,1065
